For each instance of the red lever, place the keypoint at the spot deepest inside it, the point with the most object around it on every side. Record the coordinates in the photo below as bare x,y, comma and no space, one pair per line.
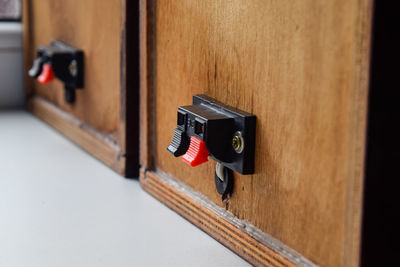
47,74
197,152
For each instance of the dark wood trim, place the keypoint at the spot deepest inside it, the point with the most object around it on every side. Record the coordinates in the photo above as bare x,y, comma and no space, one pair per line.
240,236
130,83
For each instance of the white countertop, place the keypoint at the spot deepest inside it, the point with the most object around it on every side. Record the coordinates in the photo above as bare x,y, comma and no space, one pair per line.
59,206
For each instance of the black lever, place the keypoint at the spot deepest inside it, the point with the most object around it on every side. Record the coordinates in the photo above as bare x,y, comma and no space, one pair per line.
179,144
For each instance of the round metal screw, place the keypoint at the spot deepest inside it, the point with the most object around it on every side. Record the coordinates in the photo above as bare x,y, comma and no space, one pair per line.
73,68
238,142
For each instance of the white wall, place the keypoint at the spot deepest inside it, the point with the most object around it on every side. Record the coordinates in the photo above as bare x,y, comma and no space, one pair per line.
11,87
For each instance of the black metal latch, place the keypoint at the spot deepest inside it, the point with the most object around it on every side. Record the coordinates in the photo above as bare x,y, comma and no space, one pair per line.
61,61
209,128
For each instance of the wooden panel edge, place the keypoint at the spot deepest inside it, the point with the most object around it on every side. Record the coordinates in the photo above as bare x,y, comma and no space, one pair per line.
357,144
83,135
123,77
243,238
146,78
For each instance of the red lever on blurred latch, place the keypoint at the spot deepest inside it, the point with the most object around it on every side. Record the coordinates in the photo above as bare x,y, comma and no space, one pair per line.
47,74
197,152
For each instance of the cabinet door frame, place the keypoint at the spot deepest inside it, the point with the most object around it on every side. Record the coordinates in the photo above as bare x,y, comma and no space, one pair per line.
242,237
120,149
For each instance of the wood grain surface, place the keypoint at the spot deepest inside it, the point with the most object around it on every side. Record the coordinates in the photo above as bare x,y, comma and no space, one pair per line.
95,27
302,68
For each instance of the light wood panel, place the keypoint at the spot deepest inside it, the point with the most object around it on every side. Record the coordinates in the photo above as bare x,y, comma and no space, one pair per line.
95,27
301,68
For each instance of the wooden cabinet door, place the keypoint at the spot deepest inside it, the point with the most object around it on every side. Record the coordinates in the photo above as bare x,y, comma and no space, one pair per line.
98,120
302,68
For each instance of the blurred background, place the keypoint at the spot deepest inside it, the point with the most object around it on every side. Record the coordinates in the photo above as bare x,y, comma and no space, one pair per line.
11,88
